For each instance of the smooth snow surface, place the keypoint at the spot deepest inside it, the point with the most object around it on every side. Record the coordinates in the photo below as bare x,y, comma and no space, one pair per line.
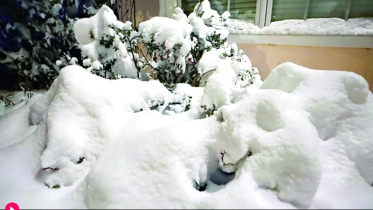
313,26
302,139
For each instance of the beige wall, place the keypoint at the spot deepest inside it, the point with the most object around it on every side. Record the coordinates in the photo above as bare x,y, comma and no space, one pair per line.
267,57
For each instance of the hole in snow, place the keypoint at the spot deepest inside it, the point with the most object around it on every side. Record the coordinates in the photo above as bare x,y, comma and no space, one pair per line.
80,160
219,177
216,178
198,187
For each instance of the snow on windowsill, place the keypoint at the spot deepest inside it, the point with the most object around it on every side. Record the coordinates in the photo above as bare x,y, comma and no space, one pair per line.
315,26
318,32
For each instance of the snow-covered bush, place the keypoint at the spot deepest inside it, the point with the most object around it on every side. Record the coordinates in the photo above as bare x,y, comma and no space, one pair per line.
103,41
68,100
229,78
170,47
291,142
168,42
34,34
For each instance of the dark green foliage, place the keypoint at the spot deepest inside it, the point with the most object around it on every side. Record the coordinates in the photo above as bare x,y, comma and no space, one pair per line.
8,102
35,34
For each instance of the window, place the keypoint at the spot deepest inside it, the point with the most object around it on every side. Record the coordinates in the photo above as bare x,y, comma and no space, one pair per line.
303,9
239,9
263,12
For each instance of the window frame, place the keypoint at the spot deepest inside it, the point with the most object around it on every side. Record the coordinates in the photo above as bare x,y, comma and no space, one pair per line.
263,18
263,15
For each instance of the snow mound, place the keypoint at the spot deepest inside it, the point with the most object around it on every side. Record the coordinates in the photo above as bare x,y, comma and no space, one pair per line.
152,169
77,118
340,107
268,137
265,133
302,139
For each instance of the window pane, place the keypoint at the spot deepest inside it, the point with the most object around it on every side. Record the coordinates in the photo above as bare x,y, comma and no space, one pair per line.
288,9
361,8
188,6
239,9
243,9
328,9
296,9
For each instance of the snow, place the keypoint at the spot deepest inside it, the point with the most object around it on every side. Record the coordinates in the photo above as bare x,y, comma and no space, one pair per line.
313,26
224,78
168,32
300,139
90,31
179,15
86,137
206,22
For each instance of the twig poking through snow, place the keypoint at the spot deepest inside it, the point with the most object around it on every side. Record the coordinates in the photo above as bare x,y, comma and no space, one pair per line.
222,159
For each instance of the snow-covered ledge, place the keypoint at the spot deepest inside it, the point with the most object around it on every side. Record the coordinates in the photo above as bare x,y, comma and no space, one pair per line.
304,40
316,32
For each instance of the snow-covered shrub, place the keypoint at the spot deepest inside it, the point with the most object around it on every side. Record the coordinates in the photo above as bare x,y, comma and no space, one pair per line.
179,49
34,34
171,47
168,42
268,138
302,139
69,155
104,43
226,78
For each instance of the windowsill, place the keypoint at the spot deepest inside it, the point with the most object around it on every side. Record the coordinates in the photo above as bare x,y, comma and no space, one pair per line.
352,41
317,32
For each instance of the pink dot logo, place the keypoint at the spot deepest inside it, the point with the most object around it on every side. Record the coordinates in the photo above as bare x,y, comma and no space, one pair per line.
12,206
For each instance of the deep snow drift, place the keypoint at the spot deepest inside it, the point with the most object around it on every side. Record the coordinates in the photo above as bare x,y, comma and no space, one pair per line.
302,139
